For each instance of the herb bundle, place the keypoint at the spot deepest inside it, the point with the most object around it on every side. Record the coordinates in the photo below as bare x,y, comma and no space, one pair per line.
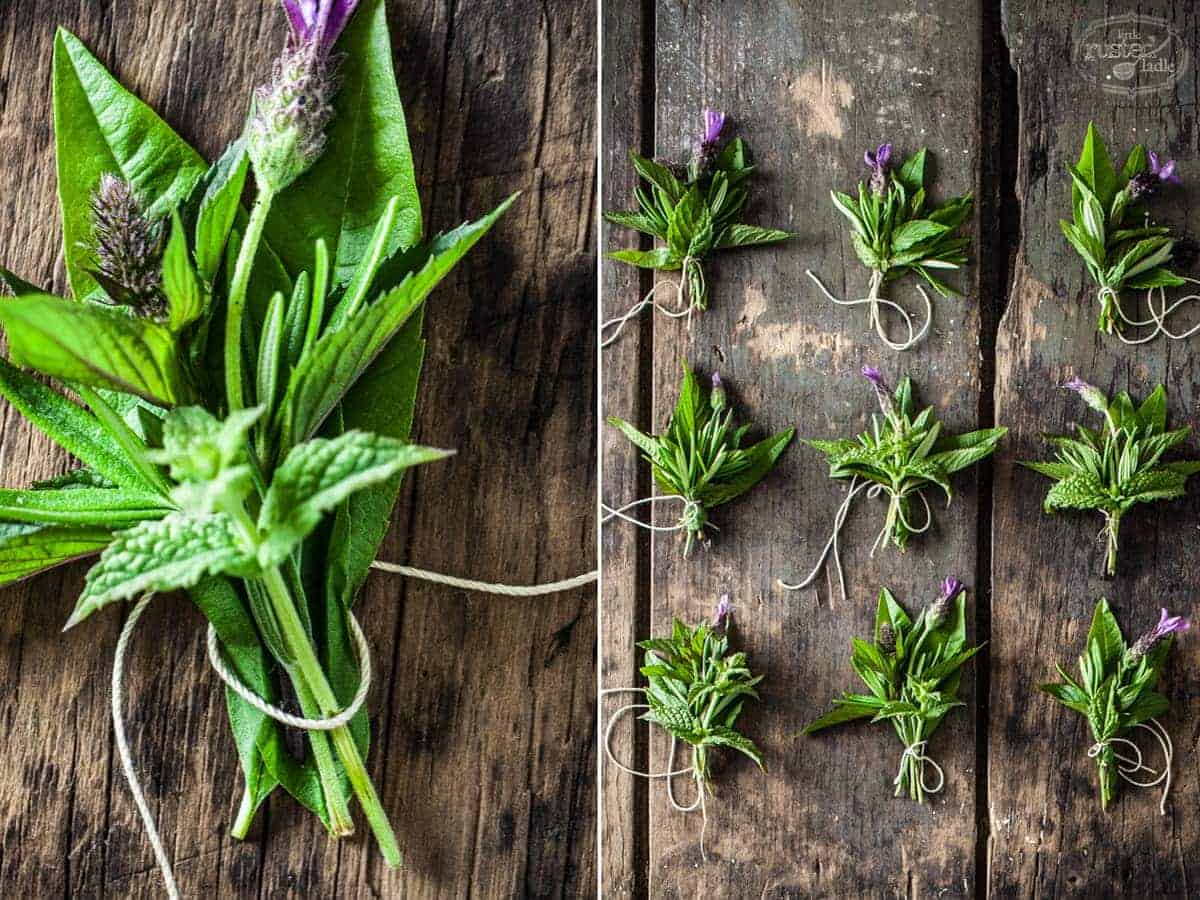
901,456
695,690
1116,692
896,230
913,672
1110,229
1113,469
700,459
247,380
694,213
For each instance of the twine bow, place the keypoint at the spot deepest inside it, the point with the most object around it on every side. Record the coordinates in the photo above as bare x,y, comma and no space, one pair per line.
917,751
874,302
686,303
1127,766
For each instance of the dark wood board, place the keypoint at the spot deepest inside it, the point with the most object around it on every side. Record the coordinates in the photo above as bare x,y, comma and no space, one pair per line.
1049,837
810,86
483,711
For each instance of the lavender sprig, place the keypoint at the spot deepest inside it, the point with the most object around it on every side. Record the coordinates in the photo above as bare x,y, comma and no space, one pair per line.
127,247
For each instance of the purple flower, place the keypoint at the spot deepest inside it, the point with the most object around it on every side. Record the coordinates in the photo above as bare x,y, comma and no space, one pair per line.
717,398
714,121
318,22
1092,395
1167,625
951,588
1160,172
880,163
706,148
882,391
721,617
939,609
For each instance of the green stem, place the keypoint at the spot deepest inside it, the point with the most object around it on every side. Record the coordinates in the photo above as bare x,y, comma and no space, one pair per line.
245,816
236,304
1114,523
134,446
313,675
337,804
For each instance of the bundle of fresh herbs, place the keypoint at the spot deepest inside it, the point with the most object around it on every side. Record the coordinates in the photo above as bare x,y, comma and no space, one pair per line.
695,690
1116,692
913,672
700,459
1113,469
246,381
896,230
901,456
1110,229
694,211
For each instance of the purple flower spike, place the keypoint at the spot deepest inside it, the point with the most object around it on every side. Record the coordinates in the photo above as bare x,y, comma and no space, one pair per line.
939,609
717,398
318,22
874,376
951,587
879,162
882,391
714,122
1167,625
720,618
1165,172
1160,172
1091,395
705,151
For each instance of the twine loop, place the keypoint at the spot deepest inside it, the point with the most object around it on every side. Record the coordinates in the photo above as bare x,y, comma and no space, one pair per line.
1127,766
875,316
691,518
685,302
1158,317
917,751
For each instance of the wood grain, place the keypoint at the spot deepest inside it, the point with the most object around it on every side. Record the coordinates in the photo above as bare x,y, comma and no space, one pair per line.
483,713
1049,837
810,86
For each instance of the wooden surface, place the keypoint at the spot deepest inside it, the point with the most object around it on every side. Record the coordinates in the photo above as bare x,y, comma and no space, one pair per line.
810,86
482,713
1049,838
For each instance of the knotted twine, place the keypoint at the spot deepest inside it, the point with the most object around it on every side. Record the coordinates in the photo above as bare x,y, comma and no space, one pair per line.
874,301
691,518
1130,766
686,303
917,751
362,652
873,489
1158,317
671,772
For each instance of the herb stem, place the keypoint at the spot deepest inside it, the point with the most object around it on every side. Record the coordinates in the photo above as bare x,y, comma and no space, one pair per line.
1111,527
236,305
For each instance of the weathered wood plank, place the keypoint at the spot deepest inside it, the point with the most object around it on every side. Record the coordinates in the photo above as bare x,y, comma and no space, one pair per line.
483,713
626,121
810,87
1049,836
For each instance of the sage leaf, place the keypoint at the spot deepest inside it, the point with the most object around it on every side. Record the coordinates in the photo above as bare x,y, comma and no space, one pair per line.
185,300
26,550
103,507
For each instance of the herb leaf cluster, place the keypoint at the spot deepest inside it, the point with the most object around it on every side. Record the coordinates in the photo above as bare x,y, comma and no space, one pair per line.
700,457
694,216
696,689
1116,688
1109,226
913,673
266,495
1112,469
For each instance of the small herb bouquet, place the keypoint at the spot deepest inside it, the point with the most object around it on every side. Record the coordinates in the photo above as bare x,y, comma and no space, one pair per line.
695,690
913,672
901,456
1110,229
1113,469
1117,693
247,381
700,460
896,230
694,213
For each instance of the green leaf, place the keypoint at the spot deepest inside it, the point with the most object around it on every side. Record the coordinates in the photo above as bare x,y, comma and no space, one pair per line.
727,737
1155,278
1080,491
957,452
103,507
72,428
644,442
762,459
845,710
1096,168
94,345
1105,633
659,176
687,219
916,231
1136,163
173,552
100,127
26,550
689,405
660,258
366,163
912,173
318,475
1153,411
737,235
185,301
336,361
223,184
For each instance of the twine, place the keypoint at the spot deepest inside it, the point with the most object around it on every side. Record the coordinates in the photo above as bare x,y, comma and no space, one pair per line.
330,723
689,518
686,304
1127,767
671,772
875,301
1158,317
917,751
839,519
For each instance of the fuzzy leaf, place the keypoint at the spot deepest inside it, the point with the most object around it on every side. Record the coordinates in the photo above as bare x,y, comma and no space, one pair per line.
26,550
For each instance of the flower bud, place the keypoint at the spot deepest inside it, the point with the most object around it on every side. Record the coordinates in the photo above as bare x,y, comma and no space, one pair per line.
720,619
717,398
887,638
939,609
1091,395
127,247
1167,625
705,152
882,391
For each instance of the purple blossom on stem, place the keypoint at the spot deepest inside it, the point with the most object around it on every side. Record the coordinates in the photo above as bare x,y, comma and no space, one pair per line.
717,398
1091,395
879,162
882,391
706,148
318,22
1160,172
720,618
1167,625
939,609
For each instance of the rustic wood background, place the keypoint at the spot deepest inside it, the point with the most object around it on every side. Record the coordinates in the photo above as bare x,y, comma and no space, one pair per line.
810,86
483,709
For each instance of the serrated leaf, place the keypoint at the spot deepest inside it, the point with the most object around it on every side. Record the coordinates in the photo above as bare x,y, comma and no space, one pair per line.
1080,491
737,235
